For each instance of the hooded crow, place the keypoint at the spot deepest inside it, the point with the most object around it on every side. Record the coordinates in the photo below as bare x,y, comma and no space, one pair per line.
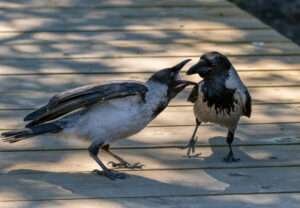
220,98
104,113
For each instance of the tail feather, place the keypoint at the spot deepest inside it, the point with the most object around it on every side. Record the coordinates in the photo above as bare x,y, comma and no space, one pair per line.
35,114
15,136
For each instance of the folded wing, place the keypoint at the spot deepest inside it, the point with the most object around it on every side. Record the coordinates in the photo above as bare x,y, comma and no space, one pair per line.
71,100
234,82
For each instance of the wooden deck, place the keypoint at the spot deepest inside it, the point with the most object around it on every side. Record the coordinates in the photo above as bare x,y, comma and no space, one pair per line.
50,45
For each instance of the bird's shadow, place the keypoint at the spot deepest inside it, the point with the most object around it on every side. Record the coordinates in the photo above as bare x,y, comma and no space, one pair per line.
219,178
42,185
234,174
219,150
48,184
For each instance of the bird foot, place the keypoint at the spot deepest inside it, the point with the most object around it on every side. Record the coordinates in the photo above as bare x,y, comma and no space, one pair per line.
126,165
112,175
230,158
191,147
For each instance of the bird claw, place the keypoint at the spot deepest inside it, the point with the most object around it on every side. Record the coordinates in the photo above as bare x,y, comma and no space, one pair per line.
112,175
230,158
126,165
191,146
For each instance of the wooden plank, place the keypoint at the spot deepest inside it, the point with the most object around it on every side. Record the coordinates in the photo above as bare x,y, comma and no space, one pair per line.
57,83
232,201
23,66
81,19
32,95
208,135
153,159
44,185
38,95
143,48
232,35
262,96
111,3
183,115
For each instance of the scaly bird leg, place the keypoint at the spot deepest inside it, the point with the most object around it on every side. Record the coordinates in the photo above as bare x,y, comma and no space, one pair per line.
230,156
122,163
94,150
191,146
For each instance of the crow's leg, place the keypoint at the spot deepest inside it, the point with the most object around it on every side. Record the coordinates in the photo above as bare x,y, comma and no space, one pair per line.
122,163
94,150
230,156
191,146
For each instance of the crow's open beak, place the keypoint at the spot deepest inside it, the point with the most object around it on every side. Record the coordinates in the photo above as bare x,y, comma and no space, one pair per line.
181,84
179,66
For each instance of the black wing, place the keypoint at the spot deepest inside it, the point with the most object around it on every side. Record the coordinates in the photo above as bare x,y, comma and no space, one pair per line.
74,99
248,104
194,94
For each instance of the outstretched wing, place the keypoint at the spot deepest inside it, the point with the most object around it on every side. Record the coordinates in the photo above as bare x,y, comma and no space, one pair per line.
74,99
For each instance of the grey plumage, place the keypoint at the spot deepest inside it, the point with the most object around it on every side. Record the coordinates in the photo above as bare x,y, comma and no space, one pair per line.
85,96
15,136
104,113
220,98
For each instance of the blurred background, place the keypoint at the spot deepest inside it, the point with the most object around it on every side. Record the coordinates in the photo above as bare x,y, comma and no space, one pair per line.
283,15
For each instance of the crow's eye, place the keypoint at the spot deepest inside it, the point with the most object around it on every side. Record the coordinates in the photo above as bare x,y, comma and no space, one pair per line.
213,64
208,62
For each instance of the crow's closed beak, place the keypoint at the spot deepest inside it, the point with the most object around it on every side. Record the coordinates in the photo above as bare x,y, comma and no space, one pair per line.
201,68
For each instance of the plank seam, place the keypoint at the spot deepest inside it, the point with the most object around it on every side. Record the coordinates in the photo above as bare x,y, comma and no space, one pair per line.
127,29
155,147
186,125
148,56
171,169
240,70
158,196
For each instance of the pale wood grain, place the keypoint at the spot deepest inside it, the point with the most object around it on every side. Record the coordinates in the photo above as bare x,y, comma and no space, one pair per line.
59,82
183,115
22,66
81,19
231,201
155,137
142,49
231,35
43,185
111,3
153,158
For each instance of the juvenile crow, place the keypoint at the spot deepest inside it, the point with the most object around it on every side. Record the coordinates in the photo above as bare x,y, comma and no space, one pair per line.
220,98
104,113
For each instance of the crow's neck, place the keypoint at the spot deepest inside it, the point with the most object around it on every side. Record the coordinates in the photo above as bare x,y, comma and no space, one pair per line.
157,97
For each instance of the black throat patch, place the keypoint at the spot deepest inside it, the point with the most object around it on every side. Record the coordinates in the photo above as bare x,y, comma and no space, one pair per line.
160,107
217,95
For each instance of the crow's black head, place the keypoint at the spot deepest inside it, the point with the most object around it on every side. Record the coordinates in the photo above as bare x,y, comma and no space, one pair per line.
171,78
210,64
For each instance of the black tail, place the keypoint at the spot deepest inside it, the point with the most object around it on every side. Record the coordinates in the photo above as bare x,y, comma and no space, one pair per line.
15,136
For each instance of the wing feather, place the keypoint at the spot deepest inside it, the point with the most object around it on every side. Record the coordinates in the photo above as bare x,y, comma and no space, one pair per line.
71,100
247,104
